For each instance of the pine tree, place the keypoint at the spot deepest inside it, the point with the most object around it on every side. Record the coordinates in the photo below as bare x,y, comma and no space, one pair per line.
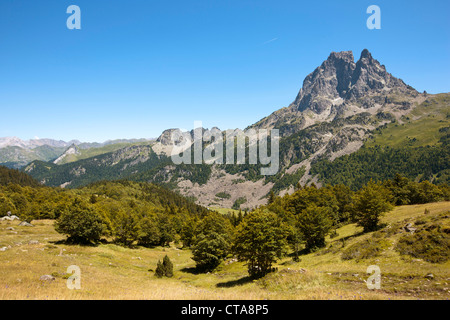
167,267
159,272
271,197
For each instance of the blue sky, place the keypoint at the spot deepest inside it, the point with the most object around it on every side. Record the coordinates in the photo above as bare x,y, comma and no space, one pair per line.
138,67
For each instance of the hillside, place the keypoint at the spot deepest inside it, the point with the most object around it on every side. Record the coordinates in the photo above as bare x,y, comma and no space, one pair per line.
17,157
337,272
84,151
16,153
14,176
114,165
427,125
416,146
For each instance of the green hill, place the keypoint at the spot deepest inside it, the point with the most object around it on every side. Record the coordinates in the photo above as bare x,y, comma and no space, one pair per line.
418,148
114,165
426,125
97,151
14,176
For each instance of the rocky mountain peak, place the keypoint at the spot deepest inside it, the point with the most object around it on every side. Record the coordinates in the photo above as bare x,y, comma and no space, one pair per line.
365,54
346,56
339,78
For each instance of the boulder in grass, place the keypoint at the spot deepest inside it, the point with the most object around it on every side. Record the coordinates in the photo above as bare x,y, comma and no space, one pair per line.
9,218
47,277
26,224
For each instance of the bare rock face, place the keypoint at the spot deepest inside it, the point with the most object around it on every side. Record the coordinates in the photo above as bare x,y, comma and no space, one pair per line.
166,137
369,77
340,79
327,83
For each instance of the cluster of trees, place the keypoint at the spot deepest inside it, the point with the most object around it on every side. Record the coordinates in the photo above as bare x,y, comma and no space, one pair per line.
132,213
124,212
31,203
382,163
14,176
300,221
136,213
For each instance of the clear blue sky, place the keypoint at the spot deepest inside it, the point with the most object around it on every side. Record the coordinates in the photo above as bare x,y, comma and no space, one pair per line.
138,67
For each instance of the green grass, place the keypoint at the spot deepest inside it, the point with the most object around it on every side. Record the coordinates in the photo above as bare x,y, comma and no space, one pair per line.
109,271
224,210
420,127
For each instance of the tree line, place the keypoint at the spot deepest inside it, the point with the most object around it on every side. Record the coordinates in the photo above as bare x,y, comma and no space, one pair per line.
143,214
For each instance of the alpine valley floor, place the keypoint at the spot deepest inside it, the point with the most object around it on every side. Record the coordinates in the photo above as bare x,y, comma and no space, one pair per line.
109,271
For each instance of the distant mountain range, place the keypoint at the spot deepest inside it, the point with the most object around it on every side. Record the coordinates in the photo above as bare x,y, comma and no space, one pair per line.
16,153
350,121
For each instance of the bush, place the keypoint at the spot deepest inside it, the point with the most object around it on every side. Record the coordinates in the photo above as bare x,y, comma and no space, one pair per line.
168,267
430,245
365,249
223,195
239,201
159,272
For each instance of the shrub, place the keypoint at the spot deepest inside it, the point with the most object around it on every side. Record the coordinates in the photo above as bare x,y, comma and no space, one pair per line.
168,267
365,249
430,245
223,195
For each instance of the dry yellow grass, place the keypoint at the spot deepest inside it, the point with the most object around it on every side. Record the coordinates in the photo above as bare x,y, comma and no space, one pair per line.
109,271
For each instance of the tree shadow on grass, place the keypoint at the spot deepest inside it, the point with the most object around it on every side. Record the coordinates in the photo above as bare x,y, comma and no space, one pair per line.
191,270
357,234
233,283
72,242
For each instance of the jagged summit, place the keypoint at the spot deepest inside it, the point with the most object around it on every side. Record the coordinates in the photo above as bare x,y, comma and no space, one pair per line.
339,78
339,87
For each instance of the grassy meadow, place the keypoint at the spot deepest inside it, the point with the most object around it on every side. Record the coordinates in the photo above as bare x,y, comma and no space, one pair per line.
109,271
